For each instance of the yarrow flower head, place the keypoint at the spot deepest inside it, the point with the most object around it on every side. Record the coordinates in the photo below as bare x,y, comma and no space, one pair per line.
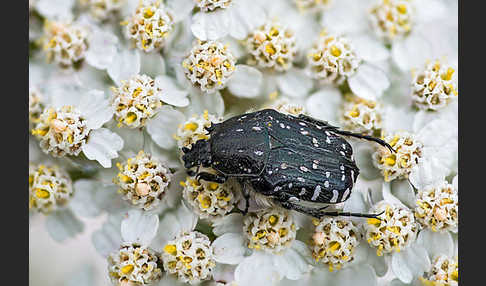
395,229
273,46
272,230
444,271
398,165
313,4
392,19
437,207
65,43
362,116
209,199
209,65
134,264
211,5
150,26
143,180
102,9
50,188
332,58
334,242
62,131
193,129
190,257
287,107
435,86
36,106
136,100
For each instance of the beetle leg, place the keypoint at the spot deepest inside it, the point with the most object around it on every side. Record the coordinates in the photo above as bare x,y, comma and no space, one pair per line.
210,177
246,195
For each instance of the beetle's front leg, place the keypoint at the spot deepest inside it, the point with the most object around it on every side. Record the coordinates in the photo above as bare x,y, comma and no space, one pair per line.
211,177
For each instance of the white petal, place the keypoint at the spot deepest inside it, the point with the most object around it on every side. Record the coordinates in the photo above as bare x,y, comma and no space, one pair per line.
152,64
174,193
257,270
294,83
229,248
410,263
245,18
102,49
402,190
294,262
232,223
211,26
324,104
246,81
212,102
369,48
81,276
355,203
96,109
427,172
346,16
362,275
55,9
108,238
369,82
411,52
103,145
180,8
171,93
436,243
163,126
125,64
62,225
397,119
388,197
379,264
82,200
108,199
455,182
139,227
363,157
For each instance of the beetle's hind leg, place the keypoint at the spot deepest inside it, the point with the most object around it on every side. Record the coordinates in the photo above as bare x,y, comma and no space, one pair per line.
366,137
211,177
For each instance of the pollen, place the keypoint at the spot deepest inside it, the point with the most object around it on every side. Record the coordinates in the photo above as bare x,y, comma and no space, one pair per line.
392,19
361,116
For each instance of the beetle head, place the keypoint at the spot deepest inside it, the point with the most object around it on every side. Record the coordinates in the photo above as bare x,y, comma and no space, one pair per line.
199,154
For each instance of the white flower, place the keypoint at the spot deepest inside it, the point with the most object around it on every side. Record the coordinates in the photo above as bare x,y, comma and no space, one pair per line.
150,25
434,86
36,106
64,43
362,116
209,65
392,18
398,164
143,180
50,188
209,199
73,122
444,271
287,106
318,5
266,251
211,5
194,129
102,9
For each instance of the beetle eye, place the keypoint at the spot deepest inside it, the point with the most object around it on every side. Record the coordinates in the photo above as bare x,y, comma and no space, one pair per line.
185,149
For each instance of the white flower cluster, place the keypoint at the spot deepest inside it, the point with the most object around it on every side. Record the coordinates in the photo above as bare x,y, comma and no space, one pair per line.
211,5
50,187
397,165
435,86
61,131
209,65
334,242
135,264
332,58
64,43
136,100
150,25
130,86
270,230
210,199
272,46
190,257
437,207
396,230
143,180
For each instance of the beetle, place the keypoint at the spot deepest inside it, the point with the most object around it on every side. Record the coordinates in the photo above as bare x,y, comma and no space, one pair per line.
293,160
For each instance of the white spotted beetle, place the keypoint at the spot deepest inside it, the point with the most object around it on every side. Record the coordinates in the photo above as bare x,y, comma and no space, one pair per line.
287,158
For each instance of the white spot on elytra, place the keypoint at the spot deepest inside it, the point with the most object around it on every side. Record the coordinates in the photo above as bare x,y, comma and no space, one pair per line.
328,141
300,179
316,193
314,140
342,167
346,194
290,185
344,146
343,177
239,130
282,125
314,166
302,192
326,184
304,169
284,166
304,132
258,153
328,174
352,175
256,128
334,196
327,133
302,123
288,127
342,153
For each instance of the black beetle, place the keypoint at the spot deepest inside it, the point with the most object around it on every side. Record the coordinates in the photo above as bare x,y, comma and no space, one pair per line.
287,158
